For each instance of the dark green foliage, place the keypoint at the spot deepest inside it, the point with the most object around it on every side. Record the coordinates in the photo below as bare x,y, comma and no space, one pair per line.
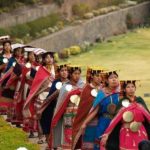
129,21
105,3
4,32
9,3
19,30
80,9
33,29
59,2
43,23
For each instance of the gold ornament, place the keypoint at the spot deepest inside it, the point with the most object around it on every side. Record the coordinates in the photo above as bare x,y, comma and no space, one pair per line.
128,116
75,99
135,126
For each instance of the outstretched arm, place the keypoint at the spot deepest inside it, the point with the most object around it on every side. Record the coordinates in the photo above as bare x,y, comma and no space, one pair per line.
110,128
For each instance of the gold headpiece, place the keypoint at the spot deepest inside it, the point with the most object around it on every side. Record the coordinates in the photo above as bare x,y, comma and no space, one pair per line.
92,70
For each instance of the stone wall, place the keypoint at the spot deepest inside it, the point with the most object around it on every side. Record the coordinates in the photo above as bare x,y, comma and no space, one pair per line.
29,13
105,26
26,14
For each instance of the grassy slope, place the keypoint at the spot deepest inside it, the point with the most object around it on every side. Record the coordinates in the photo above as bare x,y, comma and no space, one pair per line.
130,53
12,138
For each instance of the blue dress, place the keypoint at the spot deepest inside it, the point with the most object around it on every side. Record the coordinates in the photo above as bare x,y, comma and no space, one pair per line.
10,63
104,116
47,114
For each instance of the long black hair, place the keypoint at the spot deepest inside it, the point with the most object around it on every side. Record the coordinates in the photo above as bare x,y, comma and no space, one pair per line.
17,49
72,70
28,53
4,45
45,55
108,75
125,85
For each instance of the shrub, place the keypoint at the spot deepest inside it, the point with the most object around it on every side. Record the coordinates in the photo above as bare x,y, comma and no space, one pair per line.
44,32
19,30
139,1
3,32
17,40
88,15
35,29
43,23
105,3
37,35
85,46
59,2
56,57
129,21
117,2
103,11
74,50
113,8
80,9
51,30
60,24
12,3
65,53
147,21
96,12
27,39
6,3
28,1
55,28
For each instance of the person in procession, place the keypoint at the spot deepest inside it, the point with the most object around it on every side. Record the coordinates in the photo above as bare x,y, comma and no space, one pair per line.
131,124
65,111
104,106
86,140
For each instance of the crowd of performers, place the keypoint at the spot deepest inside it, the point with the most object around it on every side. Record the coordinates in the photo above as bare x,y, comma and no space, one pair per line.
101,113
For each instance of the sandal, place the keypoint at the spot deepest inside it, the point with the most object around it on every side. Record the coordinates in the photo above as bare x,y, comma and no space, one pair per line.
31,136
40,141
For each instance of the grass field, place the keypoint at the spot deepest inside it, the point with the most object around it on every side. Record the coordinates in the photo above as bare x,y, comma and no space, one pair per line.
129,53
12,138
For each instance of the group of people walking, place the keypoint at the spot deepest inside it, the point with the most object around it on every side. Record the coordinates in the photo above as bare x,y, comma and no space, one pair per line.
101,113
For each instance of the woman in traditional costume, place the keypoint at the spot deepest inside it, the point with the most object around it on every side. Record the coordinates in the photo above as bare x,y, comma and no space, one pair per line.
5,55
85,140
66,109
47,108
17,57
131,124
4,58
10,78
104,106
19,97
28,75
39,90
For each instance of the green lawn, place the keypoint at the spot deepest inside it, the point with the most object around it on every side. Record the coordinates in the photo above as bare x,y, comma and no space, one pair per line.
129,53
12,138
